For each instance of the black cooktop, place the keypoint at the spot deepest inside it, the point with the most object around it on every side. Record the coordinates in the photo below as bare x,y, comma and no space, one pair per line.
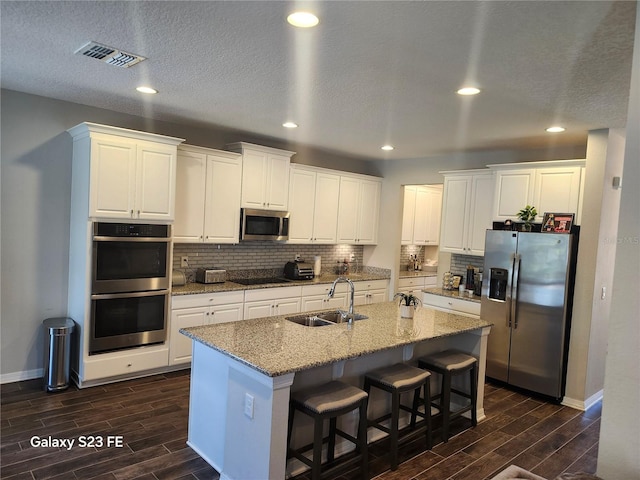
259,281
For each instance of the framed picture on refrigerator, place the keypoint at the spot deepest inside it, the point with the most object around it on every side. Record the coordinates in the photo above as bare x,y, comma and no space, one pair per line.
557,222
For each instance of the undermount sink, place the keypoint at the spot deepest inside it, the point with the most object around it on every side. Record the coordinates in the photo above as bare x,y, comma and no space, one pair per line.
340,316
325,318
309,321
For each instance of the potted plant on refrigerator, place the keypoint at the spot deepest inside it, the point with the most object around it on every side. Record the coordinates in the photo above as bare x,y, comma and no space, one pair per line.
408,304
527,215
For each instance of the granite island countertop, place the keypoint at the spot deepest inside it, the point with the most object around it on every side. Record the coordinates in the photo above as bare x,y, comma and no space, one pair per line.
196,288
275,346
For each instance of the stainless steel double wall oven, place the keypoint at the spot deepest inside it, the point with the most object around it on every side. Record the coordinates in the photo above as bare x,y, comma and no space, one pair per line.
129,285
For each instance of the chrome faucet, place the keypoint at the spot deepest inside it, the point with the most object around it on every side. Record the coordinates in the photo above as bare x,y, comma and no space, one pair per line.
351,297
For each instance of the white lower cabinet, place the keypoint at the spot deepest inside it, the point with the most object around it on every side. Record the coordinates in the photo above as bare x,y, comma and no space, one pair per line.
205,309
315,297
126,362
415,285
197,310
266,302
368,292
452,305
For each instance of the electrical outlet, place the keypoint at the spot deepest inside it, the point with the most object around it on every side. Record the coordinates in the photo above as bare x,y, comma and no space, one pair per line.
353,257
184,261
248,405
297,257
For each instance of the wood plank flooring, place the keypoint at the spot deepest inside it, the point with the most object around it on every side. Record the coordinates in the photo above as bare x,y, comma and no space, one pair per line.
150,416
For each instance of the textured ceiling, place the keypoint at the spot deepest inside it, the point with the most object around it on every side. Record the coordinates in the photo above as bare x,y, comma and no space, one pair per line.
372,72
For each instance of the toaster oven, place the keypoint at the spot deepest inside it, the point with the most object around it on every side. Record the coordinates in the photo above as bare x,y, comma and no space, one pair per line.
298,271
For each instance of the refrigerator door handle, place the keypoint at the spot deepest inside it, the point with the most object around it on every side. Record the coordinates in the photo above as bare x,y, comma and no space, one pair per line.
514,290
509,292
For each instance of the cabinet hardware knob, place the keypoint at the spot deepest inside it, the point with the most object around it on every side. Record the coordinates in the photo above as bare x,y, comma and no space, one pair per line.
128,364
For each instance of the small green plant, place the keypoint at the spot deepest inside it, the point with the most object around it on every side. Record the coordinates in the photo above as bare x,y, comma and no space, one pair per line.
407,299
527,215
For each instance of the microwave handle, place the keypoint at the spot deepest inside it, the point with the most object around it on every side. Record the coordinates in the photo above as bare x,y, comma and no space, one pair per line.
284,226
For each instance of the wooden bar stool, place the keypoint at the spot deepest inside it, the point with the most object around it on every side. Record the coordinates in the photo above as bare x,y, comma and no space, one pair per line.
448,364
329,401
397,379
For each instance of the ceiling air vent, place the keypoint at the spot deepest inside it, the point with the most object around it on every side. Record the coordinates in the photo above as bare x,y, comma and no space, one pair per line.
109,55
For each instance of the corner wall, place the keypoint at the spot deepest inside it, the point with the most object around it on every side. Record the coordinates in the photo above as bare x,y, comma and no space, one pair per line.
620,424
596,253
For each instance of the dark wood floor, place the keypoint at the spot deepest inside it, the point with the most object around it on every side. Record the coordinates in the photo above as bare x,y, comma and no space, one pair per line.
150,415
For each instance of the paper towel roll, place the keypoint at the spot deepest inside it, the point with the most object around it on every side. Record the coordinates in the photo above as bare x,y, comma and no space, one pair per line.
316,265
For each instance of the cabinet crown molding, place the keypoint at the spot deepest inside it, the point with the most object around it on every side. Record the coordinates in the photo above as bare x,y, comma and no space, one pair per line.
240,146
87,128
342,173
579,162
473,171
207,151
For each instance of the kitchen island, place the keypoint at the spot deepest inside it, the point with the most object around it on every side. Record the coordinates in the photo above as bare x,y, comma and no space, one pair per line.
243,372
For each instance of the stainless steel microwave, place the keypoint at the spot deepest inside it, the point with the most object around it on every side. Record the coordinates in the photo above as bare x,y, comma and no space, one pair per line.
258,224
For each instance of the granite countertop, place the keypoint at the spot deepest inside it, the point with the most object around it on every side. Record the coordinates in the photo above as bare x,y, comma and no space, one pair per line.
452,294
195,288
419,273
275,346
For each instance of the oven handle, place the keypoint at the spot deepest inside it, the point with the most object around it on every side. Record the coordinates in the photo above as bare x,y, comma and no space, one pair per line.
110,296
101,238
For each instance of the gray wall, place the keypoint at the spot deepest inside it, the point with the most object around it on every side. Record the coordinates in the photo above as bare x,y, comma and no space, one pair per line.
35,195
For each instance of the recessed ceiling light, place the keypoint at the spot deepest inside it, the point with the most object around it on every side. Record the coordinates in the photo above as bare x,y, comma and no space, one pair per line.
468,91
303,19
556,129
387,147
147,90
290,125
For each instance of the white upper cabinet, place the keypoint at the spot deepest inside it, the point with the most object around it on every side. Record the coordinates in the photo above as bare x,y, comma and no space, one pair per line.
313,205
265,176
557,189
421,215
408,214
128,174
514,190
466,211
549,186
358,210
207,196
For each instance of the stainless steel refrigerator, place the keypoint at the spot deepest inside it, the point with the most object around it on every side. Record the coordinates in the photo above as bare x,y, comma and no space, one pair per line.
527,293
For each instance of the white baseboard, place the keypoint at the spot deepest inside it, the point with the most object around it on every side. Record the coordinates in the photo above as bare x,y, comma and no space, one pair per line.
583,405
20,376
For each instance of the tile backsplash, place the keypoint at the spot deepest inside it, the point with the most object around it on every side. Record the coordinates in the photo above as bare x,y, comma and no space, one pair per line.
459,263
260,255
423,252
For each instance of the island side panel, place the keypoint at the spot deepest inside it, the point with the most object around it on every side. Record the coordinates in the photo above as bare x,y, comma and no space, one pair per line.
208,404
222,431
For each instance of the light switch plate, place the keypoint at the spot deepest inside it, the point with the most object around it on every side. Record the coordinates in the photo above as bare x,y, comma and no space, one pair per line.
248,405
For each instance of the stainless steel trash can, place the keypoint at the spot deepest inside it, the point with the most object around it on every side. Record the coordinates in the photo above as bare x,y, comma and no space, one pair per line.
57,356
